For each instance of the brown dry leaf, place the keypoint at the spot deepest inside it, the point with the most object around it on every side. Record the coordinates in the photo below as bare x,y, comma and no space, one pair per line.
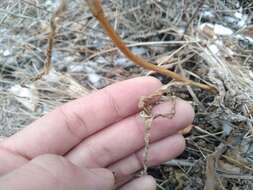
147,102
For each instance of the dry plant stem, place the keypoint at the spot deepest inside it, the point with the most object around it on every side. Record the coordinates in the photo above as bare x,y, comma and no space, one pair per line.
146,105
211,178
147,127
97,11
194,15
51,36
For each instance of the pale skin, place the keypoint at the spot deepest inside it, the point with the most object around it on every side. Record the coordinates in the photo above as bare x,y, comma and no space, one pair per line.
93,142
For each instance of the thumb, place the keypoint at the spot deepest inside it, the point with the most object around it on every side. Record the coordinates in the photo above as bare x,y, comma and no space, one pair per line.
54,172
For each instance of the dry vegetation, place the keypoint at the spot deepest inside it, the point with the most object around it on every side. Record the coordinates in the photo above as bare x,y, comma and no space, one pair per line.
207,41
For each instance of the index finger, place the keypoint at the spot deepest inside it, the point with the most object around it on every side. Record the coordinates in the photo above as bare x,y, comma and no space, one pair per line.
66,126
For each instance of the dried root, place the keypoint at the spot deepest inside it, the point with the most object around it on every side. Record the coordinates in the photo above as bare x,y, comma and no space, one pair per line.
97,11
146,105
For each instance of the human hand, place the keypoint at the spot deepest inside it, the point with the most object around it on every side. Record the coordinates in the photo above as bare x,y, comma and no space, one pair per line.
79,144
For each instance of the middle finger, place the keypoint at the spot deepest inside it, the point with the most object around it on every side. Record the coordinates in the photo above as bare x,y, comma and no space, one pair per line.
126,137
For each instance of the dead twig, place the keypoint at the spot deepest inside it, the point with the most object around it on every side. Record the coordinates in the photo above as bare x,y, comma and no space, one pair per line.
97,11
193,16
211,178
47,65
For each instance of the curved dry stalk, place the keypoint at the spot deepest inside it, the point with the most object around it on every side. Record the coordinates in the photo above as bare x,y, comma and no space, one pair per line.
97,11
47,65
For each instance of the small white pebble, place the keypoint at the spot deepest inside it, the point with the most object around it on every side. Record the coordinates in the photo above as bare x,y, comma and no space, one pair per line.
101,60
52,76
213,48
222,30
6,53
75,68
208,14
238,15
181,30
138,50
26,96
94,78
243,21
123,62
249,39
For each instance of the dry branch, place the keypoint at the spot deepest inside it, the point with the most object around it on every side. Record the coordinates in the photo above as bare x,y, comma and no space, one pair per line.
62,7
97,11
